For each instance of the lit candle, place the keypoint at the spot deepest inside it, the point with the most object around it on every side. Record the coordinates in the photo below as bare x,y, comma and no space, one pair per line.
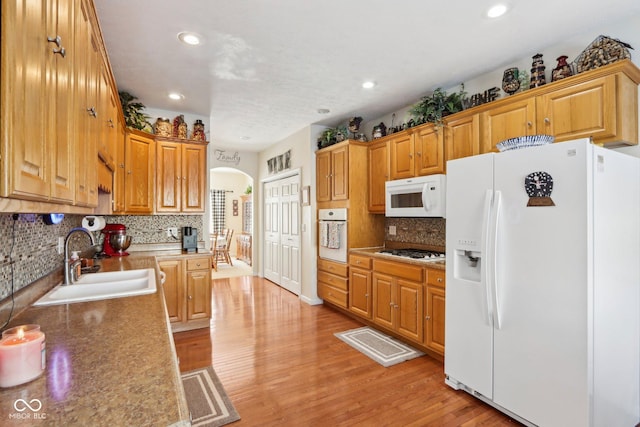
22,355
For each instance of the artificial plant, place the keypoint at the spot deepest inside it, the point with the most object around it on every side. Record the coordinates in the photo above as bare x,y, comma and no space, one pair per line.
439,104
133,114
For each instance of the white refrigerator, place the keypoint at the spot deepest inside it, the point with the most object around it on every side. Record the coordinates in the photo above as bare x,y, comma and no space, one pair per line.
543,283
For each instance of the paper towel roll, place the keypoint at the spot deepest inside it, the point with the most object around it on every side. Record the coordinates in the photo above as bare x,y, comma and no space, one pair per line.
94,223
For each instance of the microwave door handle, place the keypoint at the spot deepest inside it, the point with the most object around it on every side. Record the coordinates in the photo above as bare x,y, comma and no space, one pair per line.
426,200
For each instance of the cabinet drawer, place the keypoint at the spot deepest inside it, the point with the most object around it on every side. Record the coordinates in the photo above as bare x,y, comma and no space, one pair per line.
436,278
333,267
333,295
198,263
333,280
399,269
360,261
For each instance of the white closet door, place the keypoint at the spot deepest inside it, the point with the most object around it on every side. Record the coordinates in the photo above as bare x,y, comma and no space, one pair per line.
290,234
272,232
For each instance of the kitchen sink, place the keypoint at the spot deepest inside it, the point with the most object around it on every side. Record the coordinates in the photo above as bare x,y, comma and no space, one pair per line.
100,286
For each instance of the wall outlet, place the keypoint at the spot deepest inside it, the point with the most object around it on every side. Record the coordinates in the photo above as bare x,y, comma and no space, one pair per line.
172,232
60,246
392,230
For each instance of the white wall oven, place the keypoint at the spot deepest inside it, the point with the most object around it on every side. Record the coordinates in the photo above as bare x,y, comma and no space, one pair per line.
332,234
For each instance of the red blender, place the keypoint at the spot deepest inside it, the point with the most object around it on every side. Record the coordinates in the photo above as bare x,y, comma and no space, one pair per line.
116,240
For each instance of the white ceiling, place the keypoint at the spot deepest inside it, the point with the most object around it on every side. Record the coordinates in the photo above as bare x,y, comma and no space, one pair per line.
266,66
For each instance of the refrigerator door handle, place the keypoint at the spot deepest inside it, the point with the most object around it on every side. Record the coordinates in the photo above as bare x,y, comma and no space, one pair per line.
495,225
426,201
486,250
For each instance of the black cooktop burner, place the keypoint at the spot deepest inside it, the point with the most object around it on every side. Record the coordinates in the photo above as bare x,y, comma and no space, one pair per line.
413,253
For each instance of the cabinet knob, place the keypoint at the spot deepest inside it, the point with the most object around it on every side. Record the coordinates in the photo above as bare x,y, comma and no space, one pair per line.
190,297
57,40
419,154
197,264
547,121
440,279
390,304
395,306
427,317
411,155
60,51
529,124
110,121
92,111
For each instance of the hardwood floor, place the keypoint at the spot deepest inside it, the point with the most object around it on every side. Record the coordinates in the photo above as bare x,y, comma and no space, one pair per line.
281,365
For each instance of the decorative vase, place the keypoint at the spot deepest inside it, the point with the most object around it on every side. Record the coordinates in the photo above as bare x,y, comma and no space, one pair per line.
510,82
562,70
198,131
163,127
379,131
354,125
537,71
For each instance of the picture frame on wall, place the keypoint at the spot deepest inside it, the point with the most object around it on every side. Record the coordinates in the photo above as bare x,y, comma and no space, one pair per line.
305,196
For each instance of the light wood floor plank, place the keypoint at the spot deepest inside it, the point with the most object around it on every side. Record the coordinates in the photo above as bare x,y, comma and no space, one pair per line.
281,365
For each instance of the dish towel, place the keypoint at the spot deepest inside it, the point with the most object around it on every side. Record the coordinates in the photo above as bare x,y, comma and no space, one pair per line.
324,234
334,235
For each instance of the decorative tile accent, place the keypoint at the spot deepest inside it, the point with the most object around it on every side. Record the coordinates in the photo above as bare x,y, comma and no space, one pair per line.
425,231
28,247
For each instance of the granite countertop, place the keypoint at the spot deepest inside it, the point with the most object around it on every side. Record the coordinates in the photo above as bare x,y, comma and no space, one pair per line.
373,252
109,362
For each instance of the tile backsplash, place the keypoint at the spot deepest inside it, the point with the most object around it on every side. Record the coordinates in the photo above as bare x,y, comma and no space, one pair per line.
424,231
28,247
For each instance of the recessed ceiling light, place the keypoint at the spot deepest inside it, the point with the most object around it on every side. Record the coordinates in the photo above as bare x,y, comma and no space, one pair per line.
497,10
368,84
323,111
189,38
176,96
245,138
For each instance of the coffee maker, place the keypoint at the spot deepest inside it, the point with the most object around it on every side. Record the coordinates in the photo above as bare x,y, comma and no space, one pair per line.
115,240
189,239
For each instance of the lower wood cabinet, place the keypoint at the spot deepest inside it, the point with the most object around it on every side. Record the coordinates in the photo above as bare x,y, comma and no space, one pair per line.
360,286
243,248
187,291
434,304
398,298
332,282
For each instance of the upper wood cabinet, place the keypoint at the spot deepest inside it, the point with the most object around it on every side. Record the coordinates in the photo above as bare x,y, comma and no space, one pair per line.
601,104
139,172
120,171
378,175
418,151
462,136
37,108
332,173
181,175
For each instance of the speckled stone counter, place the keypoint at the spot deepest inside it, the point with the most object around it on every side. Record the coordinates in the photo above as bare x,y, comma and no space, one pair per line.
109,363
373,252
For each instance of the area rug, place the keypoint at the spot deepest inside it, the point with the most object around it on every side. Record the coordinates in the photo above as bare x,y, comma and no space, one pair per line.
208,402
239,268
382,348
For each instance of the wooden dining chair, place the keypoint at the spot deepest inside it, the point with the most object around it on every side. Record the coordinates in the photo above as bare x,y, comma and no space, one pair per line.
227,249
218,245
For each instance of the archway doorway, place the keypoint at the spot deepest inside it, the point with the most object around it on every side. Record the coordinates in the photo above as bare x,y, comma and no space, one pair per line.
231,208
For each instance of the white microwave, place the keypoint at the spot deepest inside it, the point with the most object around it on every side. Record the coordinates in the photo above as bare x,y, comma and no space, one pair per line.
422,196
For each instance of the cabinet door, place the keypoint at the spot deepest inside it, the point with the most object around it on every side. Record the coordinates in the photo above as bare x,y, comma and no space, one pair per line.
429,150
24,86
409,307
509,121
360,292
194,160
401,156
168,177
139,162
579,111
173,289
462,137
340,173
434,319
198,295
119,173
378,175
323,176
383,301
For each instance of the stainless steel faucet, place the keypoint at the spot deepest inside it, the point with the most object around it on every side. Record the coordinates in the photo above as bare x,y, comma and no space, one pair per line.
68,277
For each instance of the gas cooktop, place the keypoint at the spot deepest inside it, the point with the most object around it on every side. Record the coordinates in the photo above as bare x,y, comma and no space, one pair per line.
418,254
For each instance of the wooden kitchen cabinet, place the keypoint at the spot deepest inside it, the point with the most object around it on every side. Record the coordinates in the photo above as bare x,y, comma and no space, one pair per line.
462,136
378,175
416,152
332,282
513,119
187,291
243,248
120,171
398,298
181,174
139,176
360,286
434,315
332,173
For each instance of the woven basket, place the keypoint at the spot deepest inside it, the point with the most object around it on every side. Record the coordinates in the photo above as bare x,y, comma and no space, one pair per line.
602,51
